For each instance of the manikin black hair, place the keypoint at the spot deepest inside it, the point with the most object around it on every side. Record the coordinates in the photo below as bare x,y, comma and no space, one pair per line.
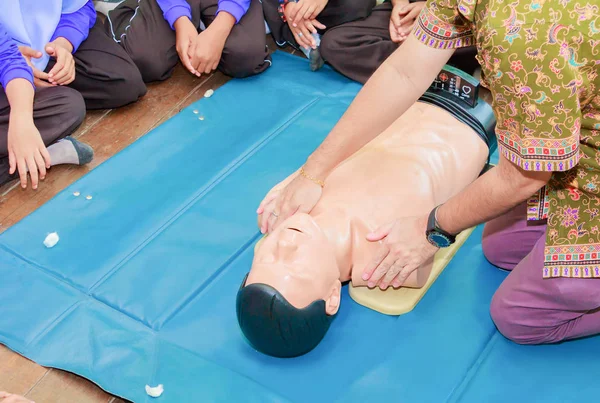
275,327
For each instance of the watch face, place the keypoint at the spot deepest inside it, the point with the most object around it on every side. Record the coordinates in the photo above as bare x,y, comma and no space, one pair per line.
439,240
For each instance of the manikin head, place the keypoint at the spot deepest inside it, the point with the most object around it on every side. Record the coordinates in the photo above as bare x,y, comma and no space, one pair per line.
292,293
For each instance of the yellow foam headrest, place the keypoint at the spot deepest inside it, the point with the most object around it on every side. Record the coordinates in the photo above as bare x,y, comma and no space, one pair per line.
403,300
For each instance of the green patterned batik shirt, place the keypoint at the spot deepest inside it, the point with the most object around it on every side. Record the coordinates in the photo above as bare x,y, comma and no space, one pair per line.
541,61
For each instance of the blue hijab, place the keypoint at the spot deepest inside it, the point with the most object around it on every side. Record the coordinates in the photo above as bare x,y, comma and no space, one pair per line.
33,22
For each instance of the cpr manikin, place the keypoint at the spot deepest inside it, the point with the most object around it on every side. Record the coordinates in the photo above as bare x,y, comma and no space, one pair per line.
292,292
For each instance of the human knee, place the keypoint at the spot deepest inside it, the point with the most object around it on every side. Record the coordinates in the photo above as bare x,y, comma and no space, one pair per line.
509,319
153,66
73,110
332,45
490,243
502,314
133,87
243,60
127,89
495,250
358,9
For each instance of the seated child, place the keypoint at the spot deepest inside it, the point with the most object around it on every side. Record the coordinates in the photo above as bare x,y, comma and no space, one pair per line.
158,33
55,60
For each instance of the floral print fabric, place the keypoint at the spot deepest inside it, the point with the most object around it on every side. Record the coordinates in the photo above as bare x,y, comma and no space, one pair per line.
541,61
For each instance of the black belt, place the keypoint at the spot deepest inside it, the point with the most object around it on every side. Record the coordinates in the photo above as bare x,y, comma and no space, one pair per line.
479,117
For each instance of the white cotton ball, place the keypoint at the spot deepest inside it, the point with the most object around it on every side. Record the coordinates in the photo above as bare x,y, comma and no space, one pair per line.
154,391
51,240
208,93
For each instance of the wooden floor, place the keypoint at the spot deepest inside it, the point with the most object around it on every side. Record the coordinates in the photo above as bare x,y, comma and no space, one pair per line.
108,132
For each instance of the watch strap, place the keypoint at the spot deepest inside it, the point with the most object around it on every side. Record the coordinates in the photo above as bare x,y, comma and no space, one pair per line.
433,225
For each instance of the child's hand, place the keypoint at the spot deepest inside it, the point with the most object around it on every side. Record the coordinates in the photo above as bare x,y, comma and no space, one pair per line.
304,29
403,19
63,72
186,33
40,79
205,51
26,151
306,10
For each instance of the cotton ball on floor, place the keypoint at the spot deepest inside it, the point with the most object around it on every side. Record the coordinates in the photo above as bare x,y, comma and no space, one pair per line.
154,392
209,93
51,240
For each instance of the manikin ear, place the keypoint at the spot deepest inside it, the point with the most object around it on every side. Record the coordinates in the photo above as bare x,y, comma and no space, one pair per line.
332,303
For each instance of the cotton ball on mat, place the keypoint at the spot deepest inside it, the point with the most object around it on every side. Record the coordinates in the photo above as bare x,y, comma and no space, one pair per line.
51,240
154,392
208,93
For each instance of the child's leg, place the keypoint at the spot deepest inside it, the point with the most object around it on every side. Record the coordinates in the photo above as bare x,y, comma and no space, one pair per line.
57,112
530,309
245,52
335,13
105,74
356,49
140,28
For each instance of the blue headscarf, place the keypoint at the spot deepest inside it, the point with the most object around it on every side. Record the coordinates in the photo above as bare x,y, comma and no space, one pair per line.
33,22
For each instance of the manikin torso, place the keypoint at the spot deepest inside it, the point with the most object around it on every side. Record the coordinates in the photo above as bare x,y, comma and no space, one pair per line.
419,162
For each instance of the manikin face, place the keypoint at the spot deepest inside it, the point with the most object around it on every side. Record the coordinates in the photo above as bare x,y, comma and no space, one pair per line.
298,261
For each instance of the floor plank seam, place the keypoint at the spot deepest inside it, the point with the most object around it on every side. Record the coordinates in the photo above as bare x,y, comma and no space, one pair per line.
178,105
14,185
38,382
95,127
87,129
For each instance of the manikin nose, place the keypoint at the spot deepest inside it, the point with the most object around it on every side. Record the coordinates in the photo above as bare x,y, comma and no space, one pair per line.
286,247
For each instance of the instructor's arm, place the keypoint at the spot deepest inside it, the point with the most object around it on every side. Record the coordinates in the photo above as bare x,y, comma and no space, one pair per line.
392,89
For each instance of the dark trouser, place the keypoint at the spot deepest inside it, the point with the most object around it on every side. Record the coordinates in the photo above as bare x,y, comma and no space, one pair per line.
57,112
105,75
356,49
139,27
336,12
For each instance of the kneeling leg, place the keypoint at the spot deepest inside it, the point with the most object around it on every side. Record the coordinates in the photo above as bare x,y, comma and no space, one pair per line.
529,309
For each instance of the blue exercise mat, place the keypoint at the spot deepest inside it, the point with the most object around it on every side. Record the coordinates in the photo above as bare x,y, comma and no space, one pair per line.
141,287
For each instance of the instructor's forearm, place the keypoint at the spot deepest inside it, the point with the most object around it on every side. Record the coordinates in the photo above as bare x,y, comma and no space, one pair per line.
394,87
490,196
376,106
20,95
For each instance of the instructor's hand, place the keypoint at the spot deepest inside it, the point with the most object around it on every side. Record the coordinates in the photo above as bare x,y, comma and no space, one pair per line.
404,248
286,199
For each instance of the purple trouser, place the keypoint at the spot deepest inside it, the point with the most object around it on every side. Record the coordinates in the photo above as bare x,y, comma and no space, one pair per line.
527,308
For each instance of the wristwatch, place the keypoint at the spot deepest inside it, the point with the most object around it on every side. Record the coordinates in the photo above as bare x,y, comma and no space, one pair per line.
435,235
